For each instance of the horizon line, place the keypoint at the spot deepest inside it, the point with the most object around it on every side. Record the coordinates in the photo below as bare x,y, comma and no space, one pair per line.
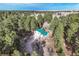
39,6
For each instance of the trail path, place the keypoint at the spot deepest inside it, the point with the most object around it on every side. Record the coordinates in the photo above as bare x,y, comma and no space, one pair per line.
49,49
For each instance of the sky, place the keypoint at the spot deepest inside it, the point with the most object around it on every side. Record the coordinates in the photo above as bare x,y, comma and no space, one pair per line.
39,6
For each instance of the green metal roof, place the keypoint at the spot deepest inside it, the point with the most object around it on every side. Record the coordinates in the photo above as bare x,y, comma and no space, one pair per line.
42,31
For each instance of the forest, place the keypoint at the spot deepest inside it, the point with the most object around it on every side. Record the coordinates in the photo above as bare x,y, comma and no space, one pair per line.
14,26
